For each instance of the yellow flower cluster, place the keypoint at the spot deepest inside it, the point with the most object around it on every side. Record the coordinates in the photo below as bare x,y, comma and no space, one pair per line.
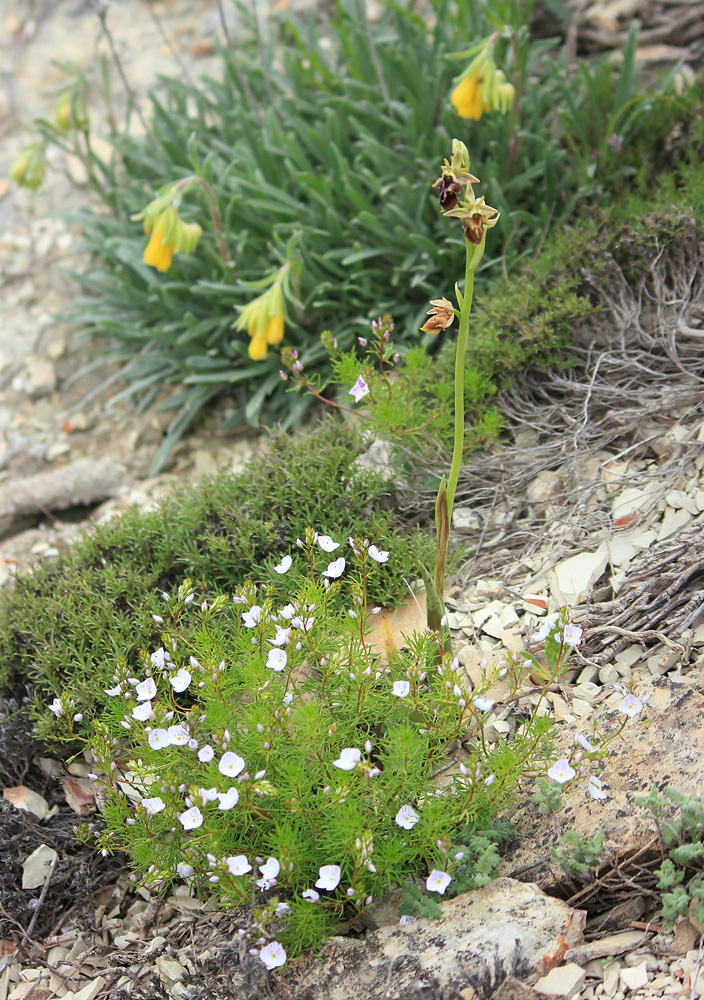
263,317
29,169
169,235
482,87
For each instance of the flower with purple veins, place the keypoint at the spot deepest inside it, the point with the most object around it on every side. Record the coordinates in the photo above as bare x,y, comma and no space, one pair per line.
146,690
180,681
401,689
437,881
561,771
407,817
359,390
329,877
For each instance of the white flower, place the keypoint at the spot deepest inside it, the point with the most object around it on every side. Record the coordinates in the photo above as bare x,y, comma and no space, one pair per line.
377,555
288,611
326,543
631,706
231,764
276,660
206,753
251,617
158,658
543,632
191,819
287,698
154,805
238,865
158,739
406,919
282,636
437,881
273,955
282,909
572,635
228,799
56,707
179,734
146,690
113,692
303,623
209,794
142,712
335,569
594,788
583,742
269,872
328,877
401,689
348,759
311,895
285,565
483,704
407,817
359,390
180,681
561,771
183,870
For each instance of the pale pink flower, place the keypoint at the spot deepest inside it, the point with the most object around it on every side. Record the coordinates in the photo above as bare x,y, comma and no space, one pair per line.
483,704
329,877
437,881
228,799
158,739
359,390
273,955
284,566
348,759
311,895
180,681
630,706
572,635
206,754
377,555
561,771
276,660
146,690
238,865
191,819
231,764
179,734
142,712
154,805
335,569
251,617
269,872
407,817
401,689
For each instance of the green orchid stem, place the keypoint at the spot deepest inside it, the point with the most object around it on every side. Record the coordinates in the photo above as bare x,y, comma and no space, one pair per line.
458,447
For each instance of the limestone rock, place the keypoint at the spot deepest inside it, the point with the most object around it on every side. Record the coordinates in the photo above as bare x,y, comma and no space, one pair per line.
669,750
24,798
505,929
563,981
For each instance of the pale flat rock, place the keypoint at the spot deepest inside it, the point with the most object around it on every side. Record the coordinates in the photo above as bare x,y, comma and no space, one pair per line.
626,545
635,978
576,576
680,499
481,939
672,522
407,618
89,991
24,798
614,944
36,867
563,981
169,969
633,502
668,749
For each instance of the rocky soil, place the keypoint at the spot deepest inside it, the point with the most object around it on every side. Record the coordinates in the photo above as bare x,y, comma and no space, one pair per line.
602,938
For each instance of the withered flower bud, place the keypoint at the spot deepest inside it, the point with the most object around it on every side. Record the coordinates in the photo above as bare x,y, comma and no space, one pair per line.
441,316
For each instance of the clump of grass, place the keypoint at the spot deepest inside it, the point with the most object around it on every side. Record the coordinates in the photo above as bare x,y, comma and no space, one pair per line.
66,624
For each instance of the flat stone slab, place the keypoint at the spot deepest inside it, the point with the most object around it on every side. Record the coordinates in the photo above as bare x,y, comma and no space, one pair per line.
504,929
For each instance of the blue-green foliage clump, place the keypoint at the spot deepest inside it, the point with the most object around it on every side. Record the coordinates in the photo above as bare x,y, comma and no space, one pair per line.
325,131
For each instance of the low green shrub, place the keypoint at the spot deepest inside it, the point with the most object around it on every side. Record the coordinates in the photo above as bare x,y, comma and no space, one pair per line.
264,754
66,623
